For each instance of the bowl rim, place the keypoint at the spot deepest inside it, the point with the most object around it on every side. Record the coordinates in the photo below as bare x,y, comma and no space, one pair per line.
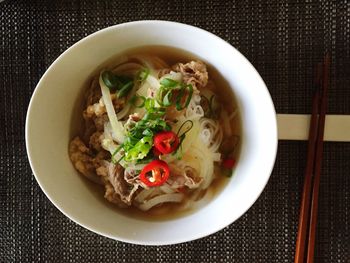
132,240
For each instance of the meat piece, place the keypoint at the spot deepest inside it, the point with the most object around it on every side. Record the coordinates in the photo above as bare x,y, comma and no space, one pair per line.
119,191
183,176
100,122
112,196
192,179
102,171
95,141
96,109
100,158
135,117
194,73
82,159
131,176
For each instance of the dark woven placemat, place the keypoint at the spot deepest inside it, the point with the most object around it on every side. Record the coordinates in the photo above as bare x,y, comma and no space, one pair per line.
283,40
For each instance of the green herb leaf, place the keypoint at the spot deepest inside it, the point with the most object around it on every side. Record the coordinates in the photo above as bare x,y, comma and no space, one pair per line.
169,83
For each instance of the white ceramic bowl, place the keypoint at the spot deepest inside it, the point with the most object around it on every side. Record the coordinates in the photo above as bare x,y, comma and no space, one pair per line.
49,120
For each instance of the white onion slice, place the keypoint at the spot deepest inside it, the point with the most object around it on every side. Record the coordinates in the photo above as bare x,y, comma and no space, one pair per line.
160,199
177,76
153,82
117,126
140,198
124,112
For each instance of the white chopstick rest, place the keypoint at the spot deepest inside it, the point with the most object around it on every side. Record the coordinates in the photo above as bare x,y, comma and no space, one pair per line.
296,127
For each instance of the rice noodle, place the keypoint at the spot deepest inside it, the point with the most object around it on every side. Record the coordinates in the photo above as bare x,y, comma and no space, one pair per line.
211,133
194,109
204,157
160,199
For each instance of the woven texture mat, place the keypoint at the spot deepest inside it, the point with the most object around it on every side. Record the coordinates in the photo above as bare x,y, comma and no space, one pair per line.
282,39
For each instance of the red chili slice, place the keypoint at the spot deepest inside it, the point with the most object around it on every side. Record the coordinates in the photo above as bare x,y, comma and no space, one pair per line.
155,173
166,142
228,163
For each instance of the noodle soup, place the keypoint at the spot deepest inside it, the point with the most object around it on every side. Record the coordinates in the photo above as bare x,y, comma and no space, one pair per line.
161,132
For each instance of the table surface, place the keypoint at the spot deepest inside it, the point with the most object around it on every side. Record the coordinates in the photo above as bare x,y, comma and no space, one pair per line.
283,40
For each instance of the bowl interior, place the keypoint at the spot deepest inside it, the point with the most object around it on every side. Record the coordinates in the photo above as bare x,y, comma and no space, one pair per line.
49,123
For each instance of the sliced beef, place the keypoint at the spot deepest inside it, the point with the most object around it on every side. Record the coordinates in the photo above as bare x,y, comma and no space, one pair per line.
83,159
95,141
184,176
194,73
118,190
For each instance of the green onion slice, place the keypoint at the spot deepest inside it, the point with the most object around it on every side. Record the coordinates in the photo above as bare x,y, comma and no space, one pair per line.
167,98
149,105
125,89
179,105
109,79
169,83
144,73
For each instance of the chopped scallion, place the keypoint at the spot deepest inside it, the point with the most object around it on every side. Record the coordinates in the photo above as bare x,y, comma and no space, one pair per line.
125,89
179,99
144,73
167,98
169,83
110,80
